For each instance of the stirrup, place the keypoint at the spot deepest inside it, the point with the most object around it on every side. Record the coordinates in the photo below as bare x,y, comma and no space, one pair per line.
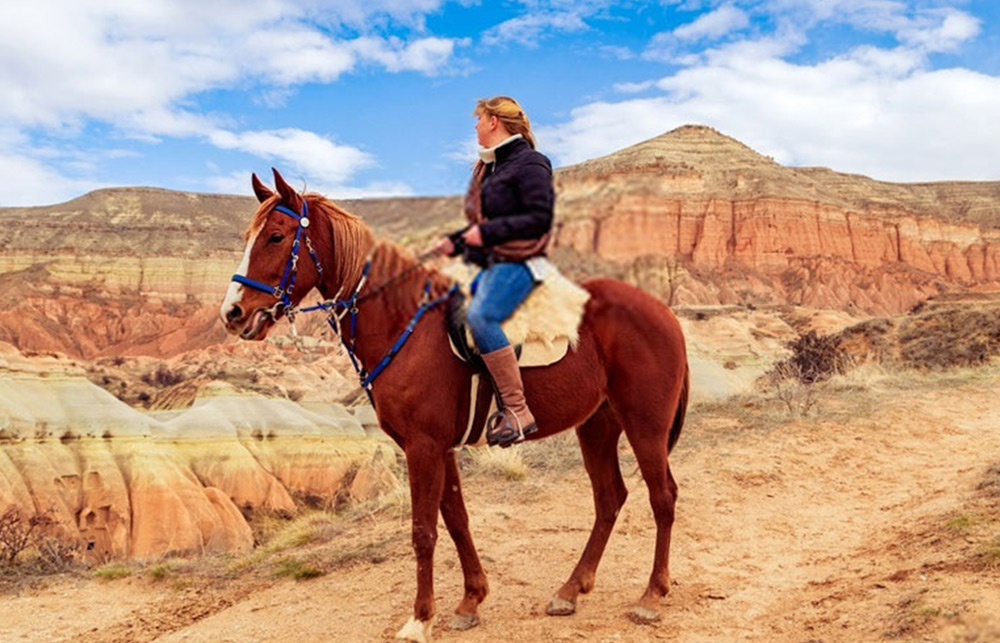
502,432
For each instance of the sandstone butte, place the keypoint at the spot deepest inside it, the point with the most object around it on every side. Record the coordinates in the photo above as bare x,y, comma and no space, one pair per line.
748,230
126,484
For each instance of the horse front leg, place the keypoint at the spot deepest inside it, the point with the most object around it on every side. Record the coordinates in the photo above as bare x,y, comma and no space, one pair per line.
426,464
457,521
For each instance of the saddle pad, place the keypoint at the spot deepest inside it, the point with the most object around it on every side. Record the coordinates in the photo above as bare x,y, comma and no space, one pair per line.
552,312
533,353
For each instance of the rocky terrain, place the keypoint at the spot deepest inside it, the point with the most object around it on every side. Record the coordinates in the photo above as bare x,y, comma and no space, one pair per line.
140,271
874,518
121,483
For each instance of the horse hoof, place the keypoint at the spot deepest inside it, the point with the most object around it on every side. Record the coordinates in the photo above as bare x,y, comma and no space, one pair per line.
560,607
643,615
462,622
415,631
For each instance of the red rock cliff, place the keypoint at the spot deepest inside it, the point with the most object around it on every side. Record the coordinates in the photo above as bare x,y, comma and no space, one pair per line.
746,229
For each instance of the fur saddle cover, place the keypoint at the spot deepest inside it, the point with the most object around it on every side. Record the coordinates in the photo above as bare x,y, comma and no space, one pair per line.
543,328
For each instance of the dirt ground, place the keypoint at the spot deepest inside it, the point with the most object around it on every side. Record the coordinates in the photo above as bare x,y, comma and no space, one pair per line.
878,519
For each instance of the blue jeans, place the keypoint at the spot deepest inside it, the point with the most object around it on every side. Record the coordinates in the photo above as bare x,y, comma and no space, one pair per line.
497,292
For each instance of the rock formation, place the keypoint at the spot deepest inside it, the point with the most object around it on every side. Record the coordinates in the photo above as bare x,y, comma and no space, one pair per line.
691,214
745,229
128,484
142,271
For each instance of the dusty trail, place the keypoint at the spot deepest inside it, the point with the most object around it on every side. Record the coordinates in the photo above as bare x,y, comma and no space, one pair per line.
825,530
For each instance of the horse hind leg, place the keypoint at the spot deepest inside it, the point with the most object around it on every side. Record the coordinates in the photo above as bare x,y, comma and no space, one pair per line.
598,438
648,436
456,519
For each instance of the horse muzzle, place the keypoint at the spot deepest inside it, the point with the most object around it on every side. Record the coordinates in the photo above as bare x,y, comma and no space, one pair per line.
252,326
258,324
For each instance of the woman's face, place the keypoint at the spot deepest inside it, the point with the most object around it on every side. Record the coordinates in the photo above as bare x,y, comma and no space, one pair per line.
485,125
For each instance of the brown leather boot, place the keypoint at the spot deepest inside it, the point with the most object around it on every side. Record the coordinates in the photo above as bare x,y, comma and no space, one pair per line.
514,421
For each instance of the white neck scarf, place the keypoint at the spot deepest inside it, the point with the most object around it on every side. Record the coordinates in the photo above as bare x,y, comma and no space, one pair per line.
488,154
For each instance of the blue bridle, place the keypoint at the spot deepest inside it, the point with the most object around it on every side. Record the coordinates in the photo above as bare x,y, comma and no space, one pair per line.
283,291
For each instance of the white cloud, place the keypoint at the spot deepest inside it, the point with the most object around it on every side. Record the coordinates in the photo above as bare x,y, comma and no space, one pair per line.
137,66
634,88
426,55
368,190
955,28
26,180
713,24
110,61
315,156
306,159
236,182
529,28
878,111
616,52
710,26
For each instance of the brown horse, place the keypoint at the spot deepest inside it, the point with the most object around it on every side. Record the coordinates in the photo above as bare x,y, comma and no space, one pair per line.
628,374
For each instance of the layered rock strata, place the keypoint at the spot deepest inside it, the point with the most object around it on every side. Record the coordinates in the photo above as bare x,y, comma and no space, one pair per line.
127,484
745,229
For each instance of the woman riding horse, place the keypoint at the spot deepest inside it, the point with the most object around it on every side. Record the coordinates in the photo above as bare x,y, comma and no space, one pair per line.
509,207
626,376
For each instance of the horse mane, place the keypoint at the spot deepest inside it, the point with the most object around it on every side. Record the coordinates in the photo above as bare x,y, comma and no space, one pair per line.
353,242
397,263
351,237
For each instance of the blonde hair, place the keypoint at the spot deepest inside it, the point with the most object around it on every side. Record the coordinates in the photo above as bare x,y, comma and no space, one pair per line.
509,112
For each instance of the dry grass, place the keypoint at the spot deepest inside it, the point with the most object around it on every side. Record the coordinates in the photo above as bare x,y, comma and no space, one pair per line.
113,572
275,535
297,569
555,455
990,484
496,462
950,337
988,555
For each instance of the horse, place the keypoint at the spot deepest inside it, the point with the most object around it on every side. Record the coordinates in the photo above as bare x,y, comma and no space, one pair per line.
627,374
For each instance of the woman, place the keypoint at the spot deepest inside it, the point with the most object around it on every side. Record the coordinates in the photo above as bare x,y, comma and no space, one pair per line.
509,206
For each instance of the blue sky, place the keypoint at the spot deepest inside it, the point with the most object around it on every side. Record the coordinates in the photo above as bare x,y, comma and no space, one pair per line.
374,97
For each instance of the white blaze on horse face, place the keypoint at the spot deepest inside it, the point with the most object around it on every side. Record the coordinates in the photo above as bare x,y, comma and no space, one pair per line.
234,294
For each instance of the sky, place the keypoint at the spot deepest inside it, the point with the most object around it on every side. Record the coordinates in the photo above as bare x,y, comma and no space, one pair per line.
358,98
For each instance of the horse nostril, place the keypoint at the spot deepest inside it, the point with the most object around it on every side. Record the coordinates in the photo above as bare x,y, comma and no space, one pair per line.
234,313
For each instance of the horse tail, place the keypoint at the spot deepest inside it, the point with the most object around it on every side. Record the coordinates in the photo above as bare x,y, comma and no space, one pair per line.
675,430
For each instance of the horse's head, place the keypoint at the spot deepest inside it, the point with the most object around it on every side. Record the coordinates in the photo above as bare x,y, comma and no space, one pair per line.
273,275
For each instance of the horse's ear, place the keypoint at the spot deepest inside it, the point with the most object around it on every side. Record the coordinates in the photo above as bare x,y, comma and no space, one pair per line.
262,191
288,194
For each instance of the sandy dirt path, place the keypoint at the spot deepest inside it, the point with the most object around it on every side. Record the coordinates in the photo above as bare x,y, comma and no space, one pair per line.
825,530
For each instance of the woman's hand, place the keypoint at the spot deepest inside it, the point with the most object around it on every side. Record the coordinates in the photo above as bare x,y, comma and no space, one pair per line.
442,247
473,236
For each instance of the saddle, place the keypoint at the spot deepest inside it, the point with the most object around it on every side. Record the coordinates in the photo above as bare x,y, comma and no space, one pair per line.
543,330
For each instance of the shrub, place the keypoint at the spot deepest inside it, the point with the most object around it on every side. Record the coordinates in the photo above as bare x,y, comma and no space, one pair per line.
815,358
18,532
162,377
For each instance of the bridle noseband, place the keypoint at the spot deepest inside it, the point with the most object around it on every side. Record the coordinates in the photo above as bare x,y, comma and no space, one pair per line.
283,291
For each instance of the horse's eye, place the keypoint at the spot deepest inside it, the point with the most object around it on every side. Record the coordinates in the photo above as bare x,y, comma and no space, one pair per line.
277,237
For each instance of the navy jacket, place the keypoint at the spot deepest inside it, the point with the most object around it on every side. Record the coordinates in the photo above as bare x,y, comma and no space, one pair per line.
517,197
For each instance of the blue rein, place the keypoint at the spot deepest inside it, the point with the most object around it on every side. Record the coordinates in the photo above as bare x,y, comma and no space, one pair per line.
283,293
